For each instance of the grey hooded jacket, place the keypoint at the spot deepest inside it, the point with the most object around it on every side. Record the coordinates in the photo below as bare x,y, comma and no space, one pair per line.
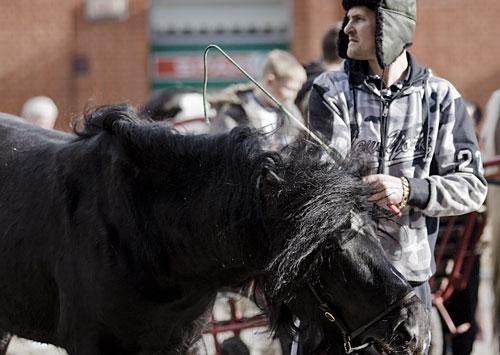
423,132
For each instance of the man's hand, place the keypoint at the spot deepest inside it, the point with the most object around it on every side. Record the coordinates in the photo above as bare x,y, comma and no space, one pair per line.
387,191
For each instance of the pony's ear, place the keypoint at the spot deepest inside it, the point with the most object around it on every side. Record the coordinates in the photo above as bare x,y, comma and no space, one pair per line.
110,118
270,178
269,181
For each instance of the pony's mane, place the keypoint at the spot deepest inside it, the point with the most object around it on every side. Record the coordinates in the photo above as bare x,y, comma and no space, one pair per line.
112,119
322,219
149,137
325,204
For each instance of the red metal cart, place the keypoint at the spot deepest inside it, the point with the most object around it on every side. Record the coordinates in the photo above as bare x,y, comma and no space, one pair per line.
235,321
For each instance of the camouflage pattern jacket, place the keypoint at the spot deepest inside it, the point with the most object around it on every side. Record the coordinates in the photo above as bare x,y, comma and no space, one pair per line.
419,130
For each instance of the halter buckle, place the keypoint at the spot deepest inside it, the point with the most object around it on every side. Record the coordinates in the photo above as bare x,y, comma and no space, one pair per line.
347,345
330,317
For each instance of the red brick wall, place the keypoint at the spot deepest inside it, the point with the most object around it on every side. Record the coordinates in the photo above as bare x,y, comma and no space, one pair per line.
458,39
36,45
39,40
312,18
116,53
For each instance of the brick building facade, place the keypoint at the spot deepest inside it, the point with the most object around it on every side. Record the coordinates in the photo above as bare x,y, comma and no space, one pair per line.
49,48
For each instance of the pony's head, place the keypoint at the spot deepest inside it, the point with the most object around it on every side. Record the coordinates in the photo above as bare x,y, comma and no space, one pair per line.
331,271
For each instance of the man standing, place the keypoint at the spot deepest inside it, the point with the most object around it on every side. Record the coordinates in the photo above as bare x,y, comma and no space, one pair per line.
411,127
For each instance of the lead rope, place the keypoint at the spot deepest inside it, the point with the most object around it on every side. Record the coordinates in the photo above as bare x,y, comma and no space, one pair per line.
278,104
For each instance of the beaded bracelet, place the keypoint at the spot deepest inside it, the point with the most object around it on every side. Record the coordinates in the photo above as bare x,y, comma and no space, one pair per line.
406,193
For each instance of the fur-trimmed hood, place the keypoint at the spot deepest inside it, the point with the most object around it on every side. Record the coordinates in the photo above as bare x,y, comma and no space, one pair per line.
396,22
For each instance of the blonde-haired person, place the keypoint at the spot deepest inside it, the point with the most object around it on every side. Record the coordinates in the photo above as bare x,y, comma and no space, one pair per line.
246,105
41,111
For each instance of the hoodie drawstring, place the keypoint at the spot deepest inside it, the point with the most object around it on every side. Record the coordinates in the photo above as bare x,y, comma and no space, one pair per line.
355,120
426,124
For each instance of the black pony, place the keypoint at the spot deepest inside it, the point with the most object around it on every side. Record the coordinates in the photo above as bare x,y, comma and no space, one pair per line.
115,241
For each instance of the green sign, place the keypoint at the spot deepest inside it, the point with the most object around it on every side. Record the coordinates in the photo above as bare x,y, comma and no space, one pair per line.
183,66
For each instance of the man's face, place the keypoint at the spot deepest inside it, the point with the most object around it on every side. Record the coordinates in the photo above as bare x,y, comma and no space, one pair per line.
361,32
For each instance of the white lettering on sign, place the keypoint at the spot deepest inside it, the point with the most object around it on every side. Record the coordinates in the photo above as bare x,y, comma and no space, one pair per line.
190,66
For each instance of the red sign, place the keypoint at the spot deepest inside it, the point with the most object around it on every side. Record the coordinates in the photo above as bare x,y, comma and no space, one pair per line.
190,66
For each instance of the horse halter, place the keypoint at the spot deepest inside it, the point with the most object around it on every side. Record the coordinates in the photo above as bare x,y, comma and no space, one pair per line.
350,336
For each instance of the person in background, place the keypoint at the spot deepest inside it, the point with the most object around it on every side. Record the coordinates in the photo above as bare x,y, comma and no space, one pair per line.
490,132
475,113
410,126
490,135
329,60
180,109
246,105
41,111
462,305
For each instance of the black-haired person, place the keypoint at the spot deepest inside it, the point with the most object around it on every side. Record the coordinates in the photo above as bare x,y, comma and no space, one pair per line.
411,126
329,60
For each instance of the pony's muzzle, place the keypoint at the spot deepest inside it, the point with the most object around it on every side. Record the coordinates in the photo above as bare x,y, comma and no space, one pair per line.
410,331
415,329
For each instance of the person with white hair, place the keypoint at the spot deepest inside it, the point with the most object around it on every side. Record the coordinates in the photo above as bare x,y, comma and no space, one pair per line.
41,111
181,109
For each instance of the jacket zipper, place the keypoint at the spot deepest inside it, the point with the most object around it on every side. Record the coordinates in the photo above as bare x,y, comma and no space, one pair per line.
383,122
383,136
